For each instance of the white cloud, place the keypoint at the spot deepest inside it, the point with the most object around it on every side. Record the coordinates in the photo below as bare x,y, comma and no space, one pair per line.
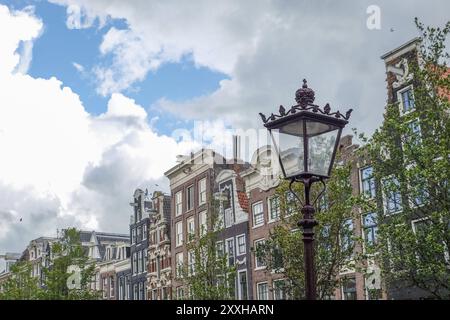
264,47
60,165
78,67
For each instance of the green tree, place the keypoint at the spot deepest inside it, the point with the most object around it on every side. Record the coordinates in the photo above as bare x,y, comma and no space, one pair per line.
410,157
208,274
335,240
68,252
21,285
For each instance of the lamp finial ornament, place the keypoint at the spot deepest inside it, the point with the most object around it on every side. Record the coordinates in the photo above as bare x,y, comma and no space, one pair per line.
304,95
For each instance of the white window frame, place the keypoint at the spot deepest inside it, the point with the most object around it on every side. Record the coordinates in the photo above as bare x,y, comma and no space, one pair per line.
203,223
385,199
190,234
239,291
192,203
361,185
179,265
202,191
178,203
274,289
269,207
238,251
258,267
227,251
267,290
259,203
178,234
191,264
400,99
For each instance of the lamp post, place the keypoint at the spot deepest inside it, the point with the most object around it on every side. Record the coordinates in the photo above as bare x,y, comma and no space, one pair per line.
306,139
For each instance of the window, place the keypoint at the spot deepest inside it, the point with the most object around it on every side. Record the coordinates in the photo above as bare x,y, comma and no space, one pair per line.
105,287
370,228
322,203
219,249
346,237
135,292
135,263
179,264
139,234
229,218
133,235
243,292
180,293
393,199
191,262
241,244
141,291
144,260
190,198
178,203
413,135
258,214
154,294
291,205
263,291
349,289
274,208
144,231
368,182
139,261
111,286
280,290
190,229
202,223
407,100
202,191
179,233
259,262
230,251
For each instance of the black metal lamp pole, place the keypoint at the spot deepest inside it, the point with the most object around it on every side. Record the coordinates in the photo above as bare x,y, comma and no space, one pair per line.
306,139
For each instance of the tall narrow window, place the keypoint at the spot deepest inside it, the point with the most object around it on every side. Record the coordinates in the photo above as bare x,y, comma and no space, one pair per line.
202,191
178,203
258,214
274,208
368,182
179,264
191,262
190,198
393,197
407,100
259,262
263,291
346,237
202,223
243,292
190,229
370,228
349,289
230,251
241,249
179,233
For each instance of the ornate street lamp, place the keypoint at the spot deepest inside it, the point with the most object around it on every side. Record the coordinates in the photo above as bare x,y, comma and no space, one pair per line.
306,139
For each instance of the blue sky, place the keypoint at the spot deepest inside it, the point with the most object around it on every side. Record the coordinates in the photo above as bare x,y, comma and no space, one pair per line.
58,47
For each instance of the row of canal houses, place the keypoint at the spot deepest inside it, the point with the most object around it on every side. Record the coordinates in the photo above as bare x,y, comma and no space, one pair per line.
142,264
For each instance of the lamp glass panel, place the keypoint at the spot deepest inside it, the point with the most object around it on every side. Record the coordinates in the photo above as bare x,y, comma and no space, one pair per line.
290,150
321,143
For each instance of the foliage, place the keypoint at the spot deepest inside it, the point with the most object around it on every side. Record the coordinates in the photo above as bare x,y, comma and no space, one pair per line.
66,252
21,285
335,239
410,157
210,276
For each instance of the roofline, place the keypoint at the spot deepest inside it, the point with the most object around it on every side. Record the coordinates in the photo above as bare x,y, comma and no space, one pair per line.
414,40
190,160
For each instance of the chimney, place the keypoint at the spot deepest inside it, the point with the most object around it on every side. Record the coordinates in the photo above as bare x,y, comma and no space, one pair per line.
236,148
